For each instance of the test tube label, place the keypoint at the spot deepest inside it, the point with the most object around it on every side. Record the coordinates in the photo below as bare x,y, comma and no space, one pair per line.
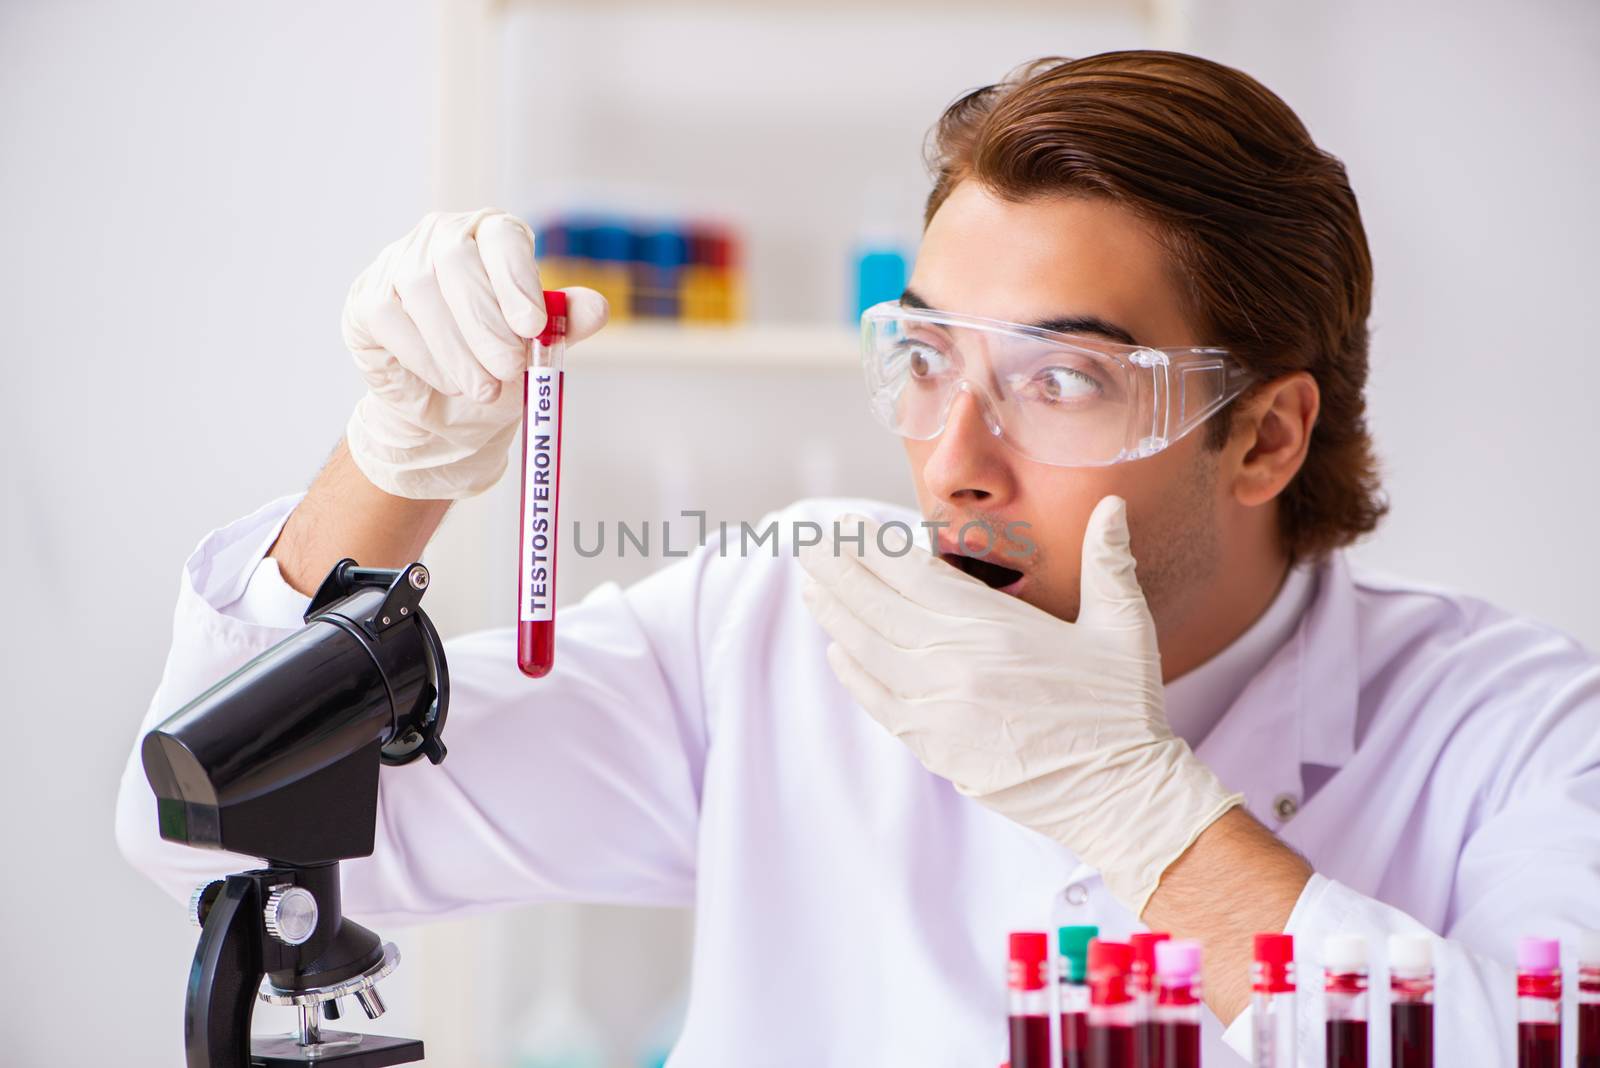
537,603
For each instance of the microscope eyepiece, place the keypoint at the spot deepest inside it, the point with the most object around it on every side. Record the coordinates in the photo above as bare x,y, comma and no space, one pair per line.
280,759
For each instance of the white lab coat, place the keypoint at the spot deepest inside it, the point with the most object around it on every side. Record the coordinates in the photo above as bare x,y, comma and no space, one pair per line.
1436,759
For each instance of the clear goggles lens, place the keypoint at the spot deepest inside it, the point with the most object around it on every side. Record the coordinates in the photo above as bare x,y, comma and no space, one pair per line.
1063,399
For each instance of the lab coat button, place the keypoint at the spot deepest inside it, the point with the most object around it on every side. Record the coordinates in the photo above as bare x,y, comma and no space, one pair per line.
1285,806
1077,894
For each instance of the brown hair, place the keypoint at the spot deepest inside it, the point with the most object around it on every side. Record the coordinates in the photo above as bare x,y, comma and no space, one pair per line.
1261,226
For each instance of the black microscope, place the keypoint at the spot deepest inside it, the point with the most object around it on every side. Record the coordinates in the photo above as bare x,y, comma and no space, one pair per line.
280,761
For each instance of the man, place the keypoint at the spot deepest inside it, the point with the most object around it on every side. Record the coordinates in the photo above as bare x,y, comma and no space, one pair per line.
1136,330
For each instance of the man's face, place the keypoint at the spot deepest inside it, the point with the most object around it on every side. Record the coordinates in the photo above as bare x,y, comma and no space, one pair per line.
1049,259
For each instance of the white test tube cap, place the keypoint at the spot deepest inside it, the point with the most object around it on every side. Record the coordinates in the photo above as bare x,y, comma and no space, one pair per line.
1344,953
1589,949
1410,954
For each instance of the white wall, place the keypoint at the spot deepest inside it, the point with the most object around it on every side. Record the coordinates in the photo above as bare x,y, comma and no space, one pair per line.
1470,134
185,193
804,125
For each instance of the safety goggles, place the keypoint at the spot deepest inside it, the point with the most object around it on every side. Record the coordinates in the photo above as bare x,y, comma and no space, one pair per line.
1066,399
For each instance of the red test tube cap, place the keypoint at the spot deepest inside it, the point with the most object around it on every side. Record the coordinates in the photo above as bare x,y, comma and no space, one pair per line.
1275,948
1274,956
1110,955
1109,965
1029,950
1144,955
555,310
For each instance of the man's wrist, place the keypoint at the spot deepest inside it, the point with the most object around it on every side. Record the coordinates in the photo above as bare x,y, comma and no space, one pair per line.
1235,880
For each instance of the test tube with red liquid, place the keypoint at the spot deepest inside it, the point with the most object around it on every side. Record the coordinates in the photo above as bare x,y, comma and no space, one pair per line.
1176,1016
1072,989
1272,1002
541,475
1589,999
1344,996
1030,1000
1411,1001
1142,983
1112,1010
1538,1003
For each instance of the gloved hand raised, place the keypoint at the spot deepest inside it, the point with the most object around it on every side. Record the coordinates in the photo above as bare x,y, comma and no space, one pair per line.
440,326
1059,726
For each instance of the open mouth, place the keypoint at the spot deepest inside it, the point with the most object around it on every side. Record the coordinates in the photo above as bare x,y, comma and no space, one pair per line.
987,572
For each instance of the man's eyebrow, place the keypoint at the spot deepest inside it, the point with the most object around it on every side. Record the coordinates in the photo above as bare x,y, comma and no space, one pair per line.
1066,324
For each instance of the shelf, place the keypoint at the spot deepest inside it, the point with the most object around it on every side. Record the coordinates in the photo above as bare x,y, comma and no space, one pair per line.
792,347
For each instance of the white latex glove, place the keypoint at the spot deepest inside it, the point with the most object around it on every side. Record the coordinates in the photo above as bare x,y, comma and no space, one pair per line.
1059,726
440,328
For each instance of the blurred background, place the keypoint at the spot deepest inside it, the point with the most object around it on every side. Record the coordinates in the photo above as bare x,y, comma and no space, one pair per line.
188,189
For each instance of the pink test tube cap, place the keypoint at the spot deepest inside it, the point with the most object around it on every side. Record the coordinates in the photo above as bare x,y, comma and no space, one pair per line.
1178,959
1538,954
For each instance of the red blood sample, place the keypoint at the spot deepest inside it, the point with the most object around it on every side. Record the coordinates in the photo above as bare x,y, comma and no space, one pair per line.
1141,981
1073,991
1538,1045
1538,1003
1029,1014
1411,1034
1347,1043
1074,1040
1176,1014
1178,1045
1589,1035
542,402
1112,1010
1113,1046
1589,1000
1146,1038
1030,1042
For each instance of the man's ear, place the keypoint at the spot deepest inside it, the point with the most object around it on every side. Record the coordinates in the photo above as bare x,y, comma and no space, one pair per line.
1270,433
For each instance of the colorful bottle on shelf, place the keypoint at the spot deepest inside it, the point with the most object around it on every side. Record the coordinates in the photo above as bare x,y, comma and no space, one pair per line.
1272,985
647,269
1111,1006
1589,999
1030,1000
552,245
657,279
1176,1016
1072,990
1344,1000
880,275
1538,1003
1411,1001
612,249
1142,983
710,279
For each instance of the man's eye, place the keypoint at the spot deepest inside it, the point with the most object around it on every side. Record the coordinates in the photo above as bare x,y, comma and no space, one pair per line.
1058,385
921,360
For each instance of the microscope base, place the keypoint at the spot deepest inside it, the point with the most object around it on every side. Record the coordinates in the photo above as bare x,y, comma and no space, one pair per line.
374,1051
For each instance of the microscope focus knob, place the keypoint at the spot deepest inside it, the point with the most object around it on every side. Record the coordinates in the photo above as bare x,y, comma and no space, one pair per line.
291,914
201,900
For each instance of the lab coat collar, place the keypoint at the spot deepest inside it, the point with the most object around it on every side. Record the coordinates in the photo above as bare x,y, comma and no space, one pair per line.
1299,709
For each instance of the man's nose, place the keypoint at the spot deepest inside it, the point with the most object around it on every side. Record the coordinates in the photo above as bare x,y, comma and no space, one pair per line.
969,463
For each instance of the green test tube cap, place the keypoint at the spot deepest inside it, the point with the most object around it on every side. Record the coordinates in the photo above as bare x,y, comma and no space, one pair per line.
1073,944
